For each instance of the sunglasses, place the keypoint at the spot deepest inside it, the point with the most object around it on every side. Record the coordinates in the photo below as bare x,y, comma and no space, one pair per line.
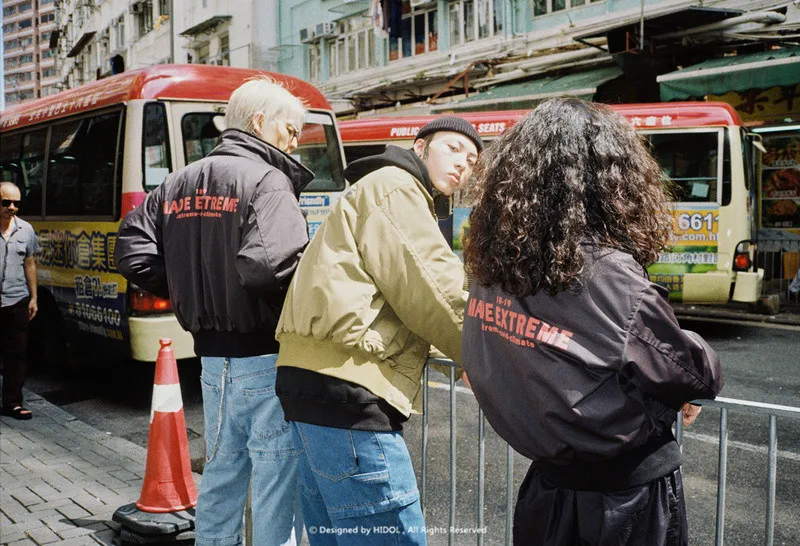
293,131
8,202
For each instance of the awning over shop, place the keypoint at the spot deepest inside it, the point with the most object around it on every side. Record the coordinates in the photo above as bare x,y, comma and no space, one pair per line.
526,94
81,43
775,68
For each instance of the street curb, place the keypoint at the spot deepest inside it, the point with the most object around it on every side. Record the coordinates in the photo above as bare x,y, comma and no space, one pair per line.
696,311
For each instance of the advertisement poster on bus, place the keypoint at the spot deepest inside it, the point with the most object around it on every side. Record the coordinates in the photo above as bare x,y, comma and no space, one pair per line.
316,206
76,263
694,250
780,189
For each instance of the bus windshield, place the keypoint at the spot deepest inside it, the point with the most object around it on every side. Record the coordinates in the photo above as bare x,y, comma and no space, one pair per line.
318,148
691,161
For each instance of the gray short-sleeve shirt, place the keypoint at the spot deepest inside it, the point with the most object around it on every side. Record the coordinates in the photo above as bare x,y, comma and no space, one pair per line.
22,243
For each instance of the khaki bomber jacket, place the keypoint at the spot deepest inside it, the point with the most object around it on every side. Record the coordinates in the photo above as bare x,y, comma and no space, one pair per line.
375,288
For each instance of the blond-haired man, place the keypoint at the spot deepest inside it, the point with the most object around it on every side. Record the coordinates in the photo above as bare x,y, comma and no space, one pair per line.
222,238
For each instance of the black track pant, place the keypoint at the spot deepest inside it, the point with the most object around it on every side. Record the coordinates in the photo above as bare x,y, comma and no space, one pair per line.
649,515
13,351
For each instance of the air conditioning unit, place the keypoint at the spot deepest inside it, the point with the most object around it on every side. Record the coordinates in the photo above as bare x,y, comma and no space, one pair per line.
137,8
307,35
326,30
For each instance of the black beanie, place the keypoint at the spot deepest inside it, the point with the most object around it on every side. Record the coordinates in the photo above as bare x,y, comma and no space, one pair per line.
454,124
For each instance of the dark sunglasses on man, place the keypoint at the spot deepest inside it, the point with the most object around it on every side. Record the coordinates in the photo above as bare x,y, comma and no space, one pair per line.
8,202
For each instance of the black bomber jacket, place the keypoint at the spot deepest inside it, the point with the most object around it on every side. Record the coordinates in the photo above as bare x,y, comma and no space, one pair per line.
222,238
587,382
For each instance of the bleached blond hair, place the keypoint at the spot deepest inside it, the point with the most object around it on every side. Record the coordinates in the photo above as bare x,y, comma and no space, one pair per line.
262,94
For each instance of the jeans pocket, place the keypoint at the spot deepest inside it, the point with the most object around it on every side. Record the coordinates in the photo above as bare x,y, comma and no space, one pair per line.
330,451
259,400
212,410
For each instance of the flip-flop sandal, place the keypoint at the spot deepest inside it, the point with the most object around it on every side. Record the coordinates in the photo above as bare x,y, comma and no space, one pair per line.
19,413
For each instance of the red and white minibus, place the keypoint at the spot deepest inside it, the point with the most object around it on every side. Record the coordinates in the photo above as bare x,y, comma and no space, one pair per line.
85,157
702,147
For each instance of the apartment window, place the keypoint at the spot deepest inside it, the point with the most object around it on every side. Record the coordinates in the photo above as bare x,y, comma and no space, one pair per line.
163,7
224,54
474,19
314,62
23,6
119,33
203,53
49,72
9,11
25,23
47,54
418,32
8,28
47,18
543,7
144,19
45,2
14,79
11,44
354,49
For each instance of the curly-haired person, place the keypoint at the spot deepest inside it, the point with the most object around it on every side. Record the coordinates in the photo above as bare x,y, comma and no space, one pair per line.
574,355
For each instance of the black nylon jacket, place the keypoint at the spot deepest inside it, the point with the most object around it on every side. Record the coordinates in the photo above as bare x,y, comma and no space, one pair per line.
222,238
584,378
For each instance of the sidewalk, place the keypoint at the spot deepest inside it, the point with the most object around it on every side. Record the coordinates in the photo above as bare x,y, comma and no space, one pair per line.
62,479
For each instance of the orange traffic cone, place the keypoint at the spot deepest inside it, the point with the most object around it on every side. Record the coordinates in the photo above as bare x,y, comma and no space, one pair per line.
168,483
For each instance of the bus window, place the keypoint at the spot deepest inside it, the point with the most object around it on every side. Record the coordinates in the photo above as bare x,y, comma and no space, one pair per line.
199,135
156,156
9,159
80,177
318,150
352,153
690,160
32,170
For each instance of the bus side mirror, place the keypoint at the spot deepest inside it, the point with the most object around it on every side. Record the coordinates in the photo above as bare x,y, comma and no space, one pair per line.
757,143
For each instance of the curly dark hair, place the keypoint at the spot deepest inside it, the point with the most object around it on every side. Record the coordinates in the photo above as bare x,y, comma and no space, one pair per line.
567,173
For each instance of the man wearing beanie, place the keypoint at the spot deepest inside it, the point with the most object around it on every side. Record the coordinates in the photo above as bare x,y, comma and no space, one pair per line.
375,288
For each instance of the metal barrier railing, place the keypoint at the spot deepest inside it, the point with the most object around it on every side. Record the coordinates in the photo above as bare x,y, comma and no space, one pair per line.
780,260
724,404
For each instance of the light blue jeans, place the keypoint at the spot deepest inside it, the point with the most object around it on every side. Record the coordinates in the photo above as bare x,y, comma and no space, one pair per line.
246,436
357,487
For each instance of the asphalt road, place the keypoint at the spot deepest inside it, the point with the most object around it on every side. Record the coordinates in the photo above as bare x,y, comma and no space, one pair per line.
760,364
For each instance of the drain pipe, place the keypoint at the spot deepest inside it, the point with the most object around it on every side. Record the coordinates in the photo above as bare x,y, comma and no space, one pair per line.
763,17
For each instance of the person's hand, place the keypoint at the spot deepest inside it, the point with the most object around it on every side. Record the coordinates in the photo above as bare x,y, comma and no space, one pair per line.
690,413
33,308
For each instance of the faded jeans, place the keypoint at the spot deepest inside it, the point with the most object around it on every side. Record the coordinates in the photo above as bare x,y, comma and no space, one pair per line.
246,437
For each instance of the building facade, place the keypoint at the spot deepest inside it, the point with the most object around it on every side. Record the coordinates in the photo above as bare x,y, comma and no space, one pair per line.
96,38
29,66
375,54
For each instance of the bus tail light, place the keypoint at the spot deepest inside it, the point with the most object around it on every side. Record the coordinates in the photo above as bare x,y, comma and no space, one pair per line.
742,258
142,301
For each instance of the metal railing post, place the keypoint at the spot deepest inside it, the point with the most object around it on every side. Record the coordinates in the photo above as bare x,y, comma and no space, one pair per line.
509,493
772,479
481,472
722,475
424,480
452,520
